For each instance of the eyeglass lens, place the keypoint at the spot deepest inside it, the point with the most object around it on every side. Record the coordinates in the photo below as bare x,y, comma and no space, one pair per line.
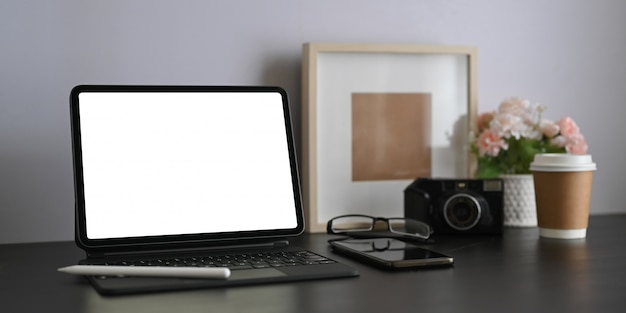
352,223
366,223
408,227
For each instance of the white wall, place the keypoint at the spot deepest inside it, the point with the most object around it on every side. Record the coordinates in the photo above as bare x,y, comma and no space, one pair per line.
567,54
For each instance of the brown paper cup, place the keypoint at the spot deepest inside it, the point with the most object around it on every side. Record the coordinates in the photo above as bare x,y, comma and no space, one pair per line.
563,195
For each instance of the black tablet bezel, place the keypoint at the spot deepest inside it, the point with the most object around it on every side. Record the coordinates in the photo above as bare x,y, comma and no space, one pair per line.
169,241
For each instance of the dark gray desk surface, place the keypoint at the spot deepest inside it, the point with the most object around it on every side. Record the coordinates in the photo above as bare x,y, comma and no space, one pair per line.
518,272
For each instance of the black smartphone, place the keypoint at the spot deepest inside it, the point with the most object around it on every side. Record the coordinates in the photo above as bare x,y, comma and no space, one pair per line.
390,253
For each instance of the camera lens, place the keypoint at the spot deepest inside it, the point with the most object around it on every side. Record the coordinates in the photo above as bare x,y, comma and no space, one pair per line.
462,211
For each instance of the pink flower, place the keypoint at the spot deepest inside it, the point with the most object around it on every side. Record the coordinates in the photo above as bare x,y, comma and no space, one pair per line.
568,127
514,105
576,144
490,144
484,120
549,128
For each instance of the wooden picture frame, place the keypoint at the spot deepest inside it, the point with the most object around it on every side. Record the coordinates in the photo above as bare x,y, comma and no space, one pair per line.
367,109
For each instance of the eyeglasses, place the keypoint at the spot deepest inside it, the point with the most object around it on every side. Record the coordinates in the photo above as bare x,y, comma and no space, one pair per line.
365,226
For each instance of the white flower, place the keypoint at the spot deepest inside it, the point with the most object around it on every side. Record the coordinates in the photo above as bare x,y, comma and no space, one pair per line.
549,128
507,125
530,132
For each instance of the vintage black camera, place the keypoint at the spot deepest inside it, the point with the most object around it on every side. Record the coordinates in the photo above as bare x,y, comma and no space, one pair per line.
457,206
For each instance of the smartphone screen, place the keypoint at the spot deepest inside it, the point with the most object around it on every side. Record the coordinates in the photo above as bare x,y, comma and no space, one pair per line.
390,253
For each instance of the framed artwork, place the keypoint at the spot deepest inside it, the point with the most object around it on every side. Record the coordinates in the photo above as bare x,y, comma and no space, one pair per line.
375,118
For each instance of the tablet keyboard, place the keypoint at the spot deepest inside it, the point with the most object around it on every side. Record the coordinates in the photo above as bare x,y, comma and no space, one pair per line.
233,261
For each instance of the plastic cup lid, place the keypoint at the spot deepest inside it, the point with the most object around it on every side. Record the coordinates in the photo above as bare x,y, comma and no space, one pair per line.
562,162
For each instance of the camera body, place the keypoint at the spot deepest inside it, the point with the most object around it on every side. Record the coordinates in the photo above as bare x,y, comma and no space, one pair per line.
457,206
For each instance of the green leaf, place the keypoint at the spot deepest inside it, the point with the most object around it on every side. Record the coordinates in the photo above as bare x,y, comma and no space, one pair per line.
487,168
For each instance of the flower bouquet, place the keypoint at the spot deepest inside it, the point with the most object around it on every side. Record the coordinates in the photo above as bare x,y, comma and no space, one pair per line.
508,138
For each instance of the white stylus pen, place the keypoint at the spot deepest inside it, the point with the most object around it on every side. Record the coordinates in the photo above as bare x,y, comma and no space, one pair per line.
148,271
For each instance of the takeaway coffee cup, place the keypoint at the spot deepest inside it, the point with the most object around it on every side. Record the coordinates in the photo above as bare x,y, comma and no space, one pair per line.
563,194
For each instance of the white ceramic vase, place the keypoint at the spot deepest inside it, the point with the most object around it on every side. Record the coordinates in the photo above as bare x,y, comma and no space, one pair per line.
519,201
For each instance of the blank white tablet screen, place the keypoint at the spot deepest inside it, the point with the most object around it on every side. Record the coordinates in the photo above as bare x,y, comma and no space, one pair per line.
168,163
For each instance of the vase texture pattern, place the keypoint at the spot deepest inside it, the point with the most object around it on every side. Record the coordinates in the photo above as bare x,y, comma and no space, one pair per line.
520,209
